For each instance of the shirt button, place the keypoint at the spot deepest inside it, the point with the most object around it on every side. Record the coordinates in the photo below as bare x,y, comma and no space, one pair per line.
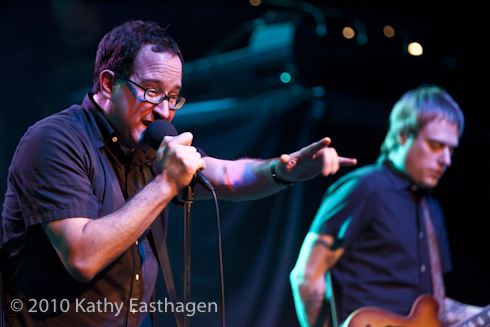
421,235
136,242
422,268
114,139
137,277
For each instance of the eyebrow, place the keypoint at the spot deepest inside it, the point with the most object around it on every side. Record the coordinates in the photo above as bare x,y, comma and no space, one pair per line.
156,81
441,142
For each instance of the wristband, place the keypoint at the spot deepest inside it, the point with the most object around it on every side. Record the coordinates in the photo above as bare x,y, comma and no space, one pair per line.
276,178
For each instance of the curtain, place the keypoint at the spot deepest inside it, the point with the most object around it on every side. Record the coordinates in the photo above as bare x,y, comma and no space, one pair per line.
261,238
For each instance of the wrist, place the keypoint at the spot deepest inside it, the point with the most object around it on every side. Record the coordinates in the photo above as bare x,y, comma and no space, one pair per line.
166,186
276,178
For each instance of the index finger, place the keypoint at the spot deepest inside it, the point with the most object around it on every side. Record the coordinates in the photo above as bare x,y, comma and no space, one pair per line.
182,139
347,161
166,140
313,148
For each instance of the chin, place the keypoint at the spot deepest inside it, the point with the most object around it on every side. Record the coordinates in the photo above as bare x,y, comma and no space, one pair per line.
138,145
136,140
430,183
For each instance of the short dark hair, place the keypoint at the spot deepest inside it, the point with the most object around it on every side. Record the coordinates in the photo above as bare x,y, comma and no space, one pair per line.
118,48
418,107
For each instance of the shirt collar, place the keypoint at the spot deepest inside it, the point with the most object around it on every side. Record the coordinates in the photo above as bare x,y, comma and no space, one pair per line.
400,180
105,134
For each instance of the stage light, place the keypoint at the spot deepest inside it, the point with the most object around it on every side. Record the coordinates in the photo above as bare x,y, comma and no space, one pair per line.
348,32
415,49
321,30
259,66
255,3
362,39
388,31
285,78
318,91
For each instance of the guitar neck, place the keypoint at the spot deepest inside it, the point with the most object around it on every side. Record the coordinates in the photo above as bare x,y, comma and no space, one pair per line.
479,320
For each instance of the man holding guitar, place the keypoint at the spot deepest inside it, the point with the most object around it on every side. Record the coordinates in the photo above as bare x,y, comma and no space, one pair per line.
378,238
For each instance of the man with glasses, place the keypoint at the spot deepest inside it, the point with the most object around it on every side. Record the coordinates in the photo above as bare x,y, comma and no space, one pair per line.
84,191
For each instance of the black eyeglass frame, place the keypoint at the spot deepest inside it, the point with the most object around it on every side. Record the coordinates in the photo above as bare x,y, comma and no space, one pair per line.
179,100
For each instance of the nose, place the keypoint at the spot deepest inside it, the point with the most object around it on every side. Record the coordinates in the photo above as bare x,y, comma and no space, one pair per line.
445,157
161,110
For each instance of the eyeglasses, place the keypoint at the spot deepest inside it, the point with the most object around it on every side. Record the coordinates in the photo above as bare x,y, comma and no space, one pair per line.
154,96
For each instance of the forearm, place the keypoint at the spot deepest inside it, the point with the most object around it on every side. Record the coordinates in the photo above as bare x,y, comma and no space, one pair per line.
308,280
86,246
309,299
249,179
239,180
456,311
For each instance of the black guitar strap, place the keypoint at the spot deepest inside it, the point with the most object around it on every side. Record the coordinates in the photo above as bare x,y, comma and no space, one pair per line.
158,233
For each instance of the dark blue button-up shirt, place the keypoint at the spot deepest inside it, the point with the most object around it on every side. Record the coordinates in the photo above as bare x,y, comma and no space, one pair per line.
374,215
70,165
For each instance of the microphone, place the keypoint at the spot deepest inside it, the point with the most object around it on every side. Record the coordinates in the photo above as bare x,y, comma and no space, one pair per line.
154,135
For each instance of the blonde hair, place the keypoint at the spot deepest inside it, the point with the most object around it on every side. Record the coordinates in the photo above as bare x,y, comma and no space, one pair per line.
418,107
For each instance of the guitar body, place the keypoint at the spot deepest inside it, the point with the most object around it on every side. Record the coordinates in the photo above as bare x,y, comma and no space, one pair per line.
424,313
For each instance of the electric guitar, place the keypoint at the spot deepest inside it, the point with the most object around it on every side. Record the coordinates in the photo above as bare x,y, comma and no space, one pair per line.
424,313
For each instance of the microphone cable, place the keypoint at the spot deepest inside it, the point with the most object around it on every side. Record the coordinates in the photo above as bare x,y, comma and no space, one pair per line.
220,254
207,185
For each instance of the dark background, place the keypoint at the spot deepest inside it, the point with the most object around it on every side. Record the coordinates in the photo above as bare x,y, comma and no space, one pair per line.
47,50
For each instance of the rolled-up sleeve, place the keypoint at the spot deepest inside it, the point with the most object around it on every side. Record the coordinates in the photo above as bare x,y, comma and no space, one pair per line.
50,174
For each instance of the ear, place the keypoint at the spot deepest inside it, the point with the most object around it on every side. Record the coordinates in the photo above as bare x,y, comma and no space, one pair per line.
106,79
402,138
